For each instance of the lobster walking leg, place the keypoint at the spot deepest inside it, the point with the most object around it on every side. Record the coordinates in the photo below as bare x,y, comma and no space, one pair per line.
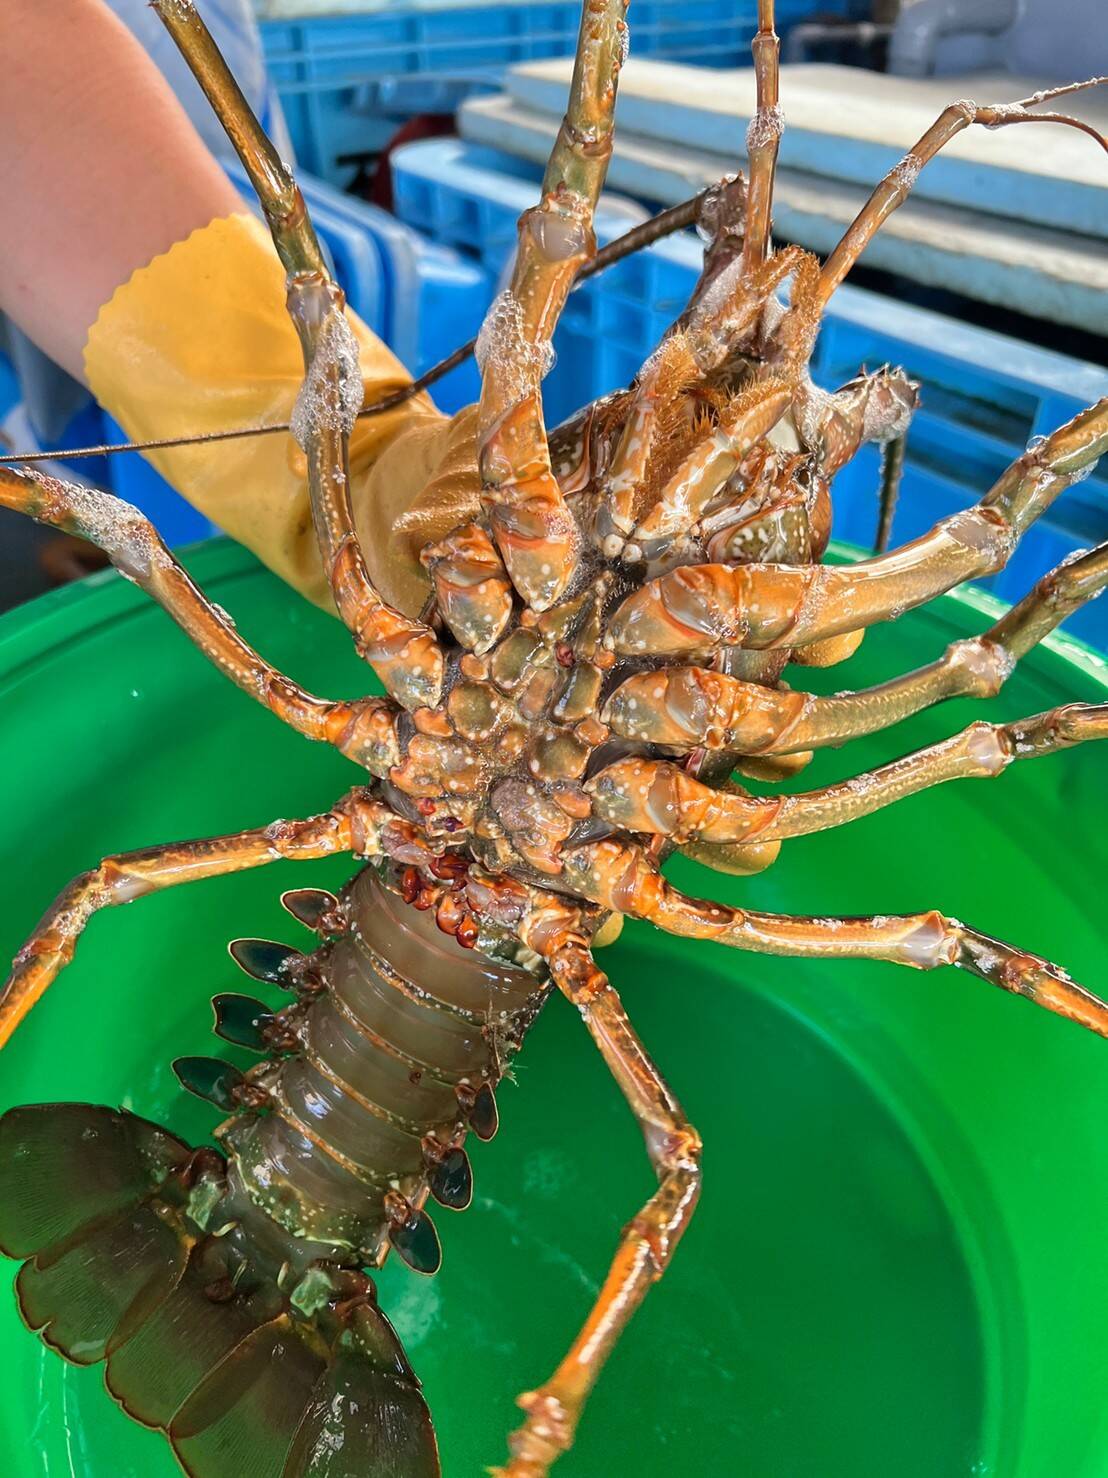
728,319
363,730
895,187
625,879
534,529
874,407
647,1243
724,307
670,369
974,667
657,797
691,707
131,875
404,653
701,607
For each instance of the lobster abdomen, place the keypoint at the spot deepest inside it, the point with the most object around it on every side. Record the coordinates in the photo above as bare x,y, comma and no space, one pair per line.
400,1039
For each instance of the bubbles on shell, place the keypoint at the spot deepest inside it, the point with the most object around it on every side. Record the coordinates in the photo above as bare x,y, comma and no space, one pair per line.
654,361
888,409
1004,112
1004,662
810,409
321,403
862,785
503,350
503,326
905,173
987,959
764,128
713,215
986,661
117,528
722,291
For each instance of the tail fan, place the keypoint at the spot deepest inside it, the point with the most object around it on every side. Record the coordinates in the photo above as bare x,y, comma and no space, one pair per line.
66,1165
250,1372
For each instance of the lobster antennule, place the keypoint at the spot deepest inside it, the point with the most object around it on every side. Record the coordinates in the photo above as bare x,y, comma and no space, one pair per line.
134,1257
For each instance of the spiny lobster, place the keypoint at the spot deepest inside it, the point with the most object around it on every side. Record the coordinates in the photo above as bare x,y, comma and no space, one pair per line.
602,649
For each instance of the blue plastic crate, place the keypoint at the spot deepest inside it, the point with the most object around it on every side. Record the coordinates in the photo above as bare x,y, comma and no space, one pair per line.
345,80
984,395
86,427
9,387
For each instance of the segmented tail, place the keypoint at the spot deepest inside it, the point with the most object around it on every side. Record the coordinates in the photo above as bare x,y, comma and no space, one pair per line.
252,1368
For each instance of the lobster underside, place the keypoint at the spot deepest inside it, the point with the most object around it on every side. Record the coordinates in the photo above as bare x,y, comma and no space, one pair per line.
611,612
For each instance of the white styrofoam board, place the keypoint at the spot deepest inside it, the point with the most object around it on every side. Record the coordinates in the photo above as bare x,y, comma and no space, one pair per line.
457,165
1048,274
854,125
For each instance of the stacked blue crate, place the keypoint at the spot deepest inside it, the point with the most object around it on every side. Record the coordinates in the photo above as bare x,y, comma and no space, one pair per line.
984,395
84,426
9,388
345,80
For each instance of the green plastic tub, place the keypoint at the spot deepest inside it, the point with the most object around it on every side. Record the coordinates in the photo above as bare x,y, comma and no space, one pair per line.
898,1264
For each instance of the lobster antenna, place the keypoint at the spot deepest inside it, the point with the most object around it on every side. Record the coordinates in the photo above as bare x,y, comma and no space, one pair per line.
665,223
892,469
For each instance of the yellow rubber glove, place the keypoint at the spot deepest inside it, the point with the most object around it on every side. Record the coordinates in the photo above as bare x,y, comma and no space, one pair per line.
200,340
